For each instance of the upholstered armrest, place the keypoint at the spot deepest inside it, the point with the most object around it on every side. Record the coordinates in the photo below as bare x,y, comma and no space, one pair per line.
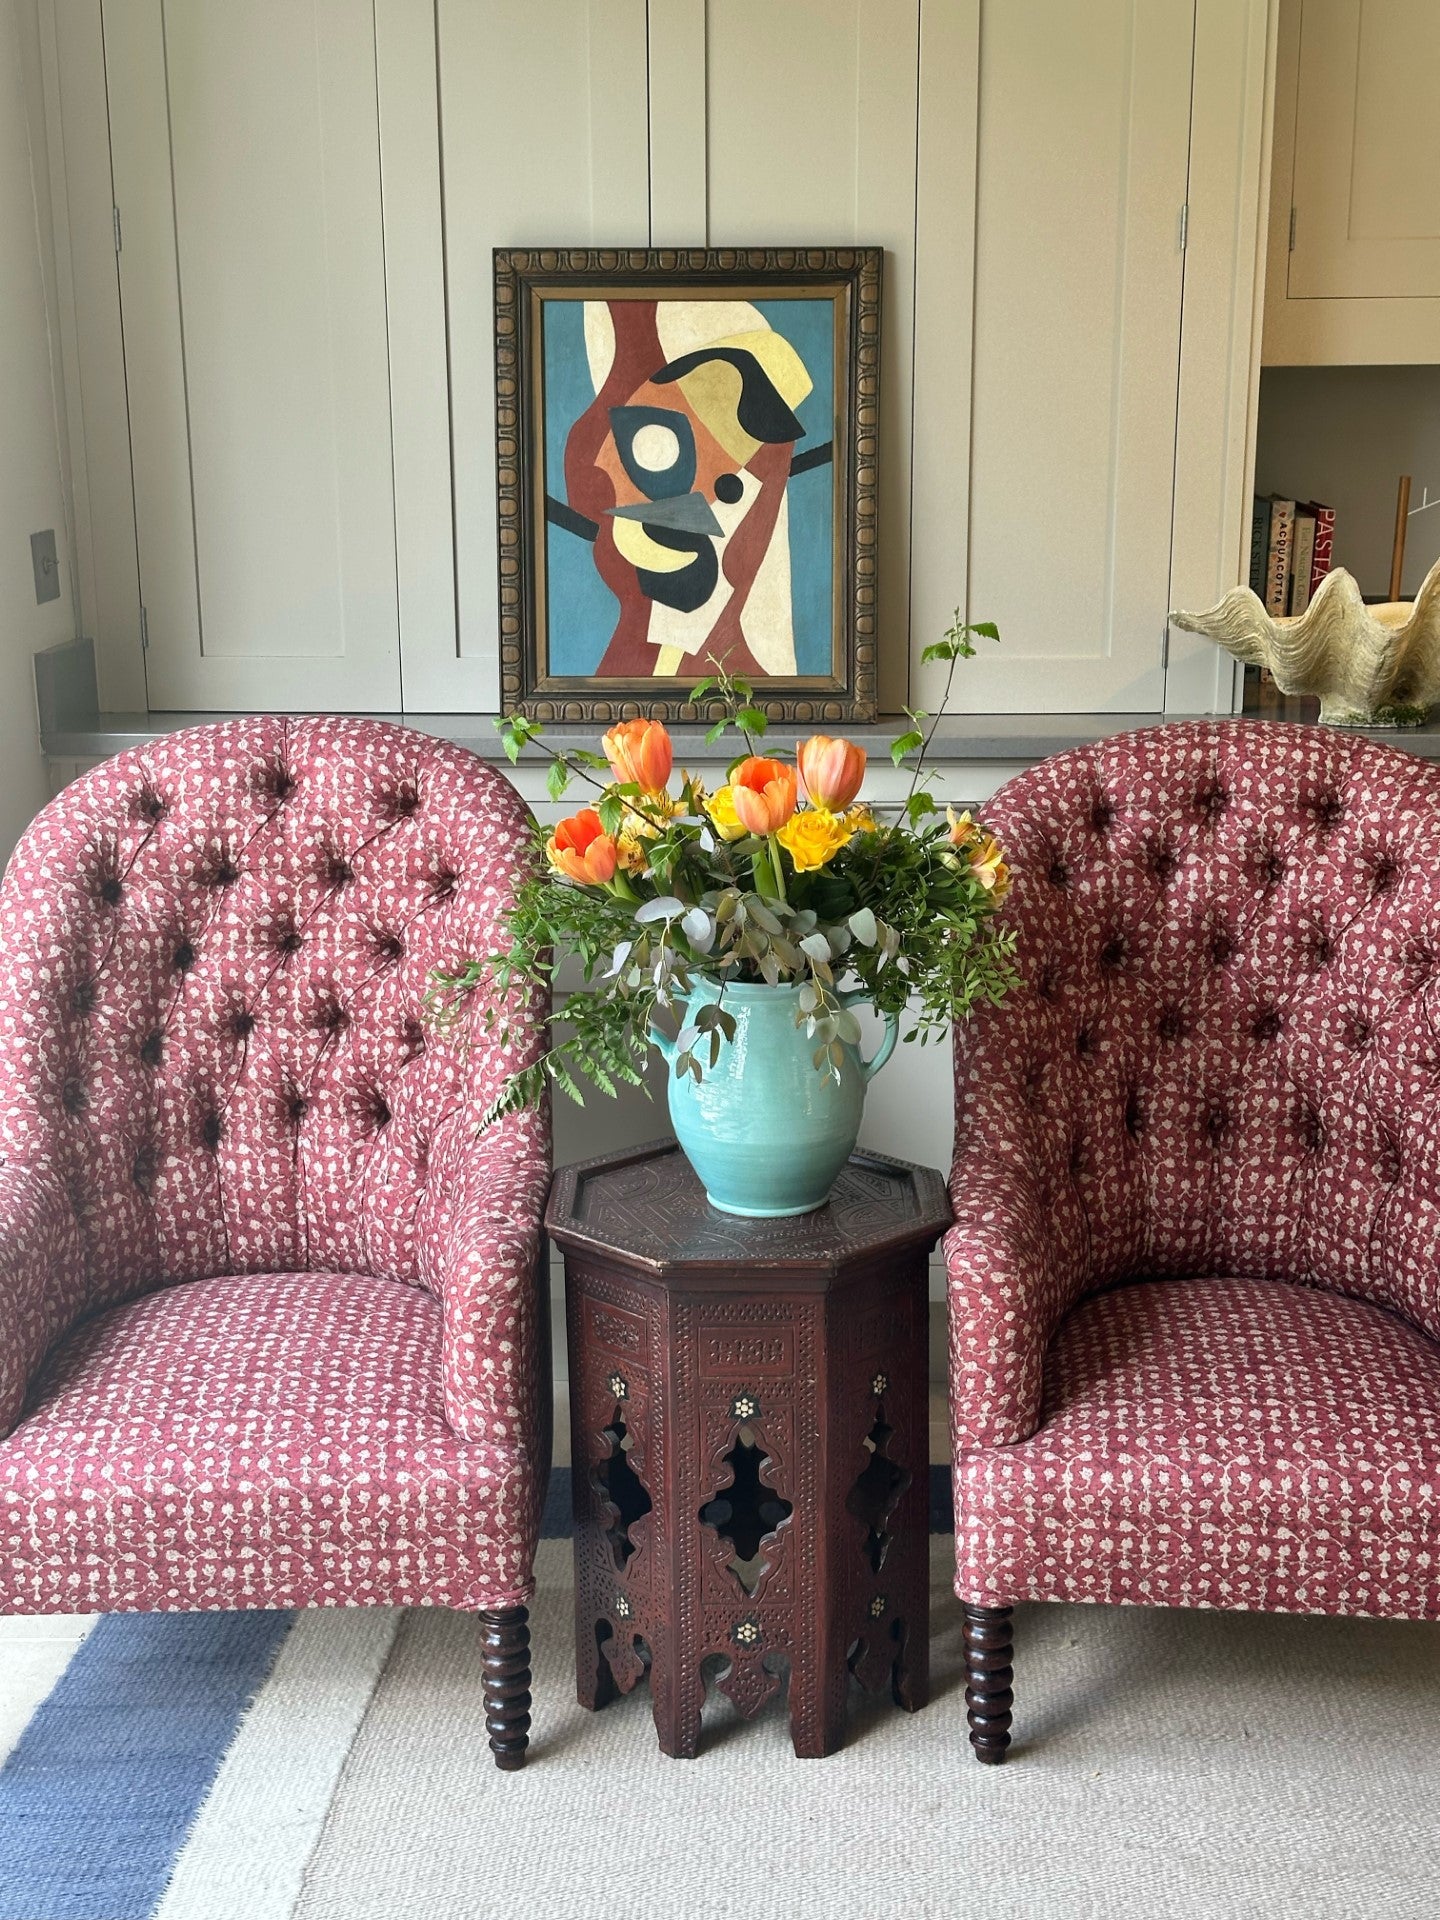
42,1278
1009,1283
481,1256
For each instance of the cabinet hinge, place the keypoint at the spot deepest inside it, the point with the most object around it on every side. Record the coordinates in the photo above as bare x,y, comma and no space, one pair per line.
115,216
1292,229
1165,646
1184,225
144,631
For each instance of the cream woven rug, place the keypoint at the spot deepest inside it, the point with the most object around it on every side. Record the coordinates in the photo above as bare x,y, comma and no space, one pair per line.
1166,1764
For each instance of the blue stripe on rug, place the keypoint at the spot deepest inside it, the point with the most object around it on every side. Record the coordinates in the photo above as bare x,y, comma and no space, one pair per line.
556,1522
97,1797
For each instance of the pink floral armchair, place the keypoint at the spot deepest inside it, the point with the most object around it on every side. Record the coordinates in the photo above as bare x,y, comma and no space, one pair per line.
1194,1278
273,1323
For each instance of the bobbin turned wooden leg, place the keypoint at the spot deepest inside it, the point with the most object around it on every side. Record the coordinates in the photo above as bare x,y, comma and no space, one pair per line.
505,1637
988,1673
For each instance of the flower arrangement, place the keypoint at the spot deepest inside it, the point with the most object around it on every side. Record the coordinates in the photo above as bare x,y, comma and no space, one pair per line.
783,874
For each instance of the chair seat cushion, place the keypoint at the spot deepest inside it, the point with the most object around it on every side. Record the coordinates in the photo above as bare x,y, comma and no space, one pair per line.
268,1440
1223,1443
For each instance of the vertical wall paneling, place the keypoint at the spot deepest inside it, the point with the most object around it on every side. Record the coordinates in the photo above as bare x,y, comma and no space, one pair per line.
245,142
91,353
1220,337
949,107
543,142
823,98
1076,349
679,213
433,676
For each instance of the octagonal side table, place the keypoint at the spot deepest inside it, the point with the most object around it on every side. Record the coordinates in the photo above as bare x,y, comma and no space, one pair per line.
750,1440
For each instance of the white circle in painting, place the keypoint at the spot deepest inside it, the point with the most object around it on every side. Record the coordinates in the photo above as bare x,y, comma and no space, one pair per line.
655,448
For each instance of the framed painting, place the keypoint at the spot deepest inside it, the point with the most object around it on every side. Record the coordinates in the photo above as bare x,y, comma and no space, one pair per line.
687,446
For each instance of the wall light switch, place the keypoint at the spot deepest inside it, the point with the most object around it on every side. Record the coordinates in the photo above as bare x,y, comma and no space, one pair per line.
46,563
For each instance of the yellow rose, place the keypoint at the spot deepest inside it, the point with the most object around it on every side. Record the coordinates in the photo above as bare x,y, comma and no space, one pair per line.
721,808
813,837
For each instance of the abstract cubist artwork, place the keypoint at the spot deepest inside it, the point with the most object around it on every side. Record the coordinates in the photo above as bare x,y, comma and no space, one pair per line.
688,486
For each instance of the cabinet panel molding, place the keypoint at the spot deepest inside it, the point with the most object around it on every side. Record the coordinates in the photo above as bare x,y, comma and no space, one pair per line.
543,143
1232,98
245,145
1075,367
1392,315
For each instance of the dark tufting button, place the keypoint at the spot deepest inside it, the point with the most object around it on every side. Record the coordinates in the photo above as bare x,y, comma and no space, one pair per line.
338,871
1389,1166
296,1107
1083,1040
379,1111
387,947
1048,985
1112,954
1266,1024
1033,1084
1273,868
221,872
1163,863
1101,814
1221,946
413,1034
112,892
275,781
1315,949
330,1016
1171,1025
73,1097
1059,874
442,883
152,1048
212,1131
1212,800
183,958
402,802
1217,1124
82,997
1327,807
1357,1032
242,1024
1134,1117
142,1169
1311,1130
149,806
1385,875
1077,1157
289,940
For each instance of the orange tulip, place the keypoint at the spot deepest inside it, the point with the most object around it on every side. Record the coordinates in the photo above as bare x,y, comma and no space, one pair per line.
764,794
582,850
639,752
831,772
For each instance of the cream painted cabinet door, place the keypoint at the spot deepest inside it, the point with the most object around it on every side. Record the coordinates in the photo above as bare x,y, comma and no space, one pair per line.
1366,192
1072,388
245,150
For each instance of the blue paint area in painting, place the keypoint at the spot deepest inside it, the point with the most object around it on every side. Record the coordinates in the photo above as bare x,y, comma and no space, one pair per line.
577,641
809,326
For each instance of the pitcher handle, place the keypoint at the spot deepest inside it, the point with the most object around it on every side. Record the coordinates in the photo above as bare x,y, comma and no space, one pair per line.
891,1034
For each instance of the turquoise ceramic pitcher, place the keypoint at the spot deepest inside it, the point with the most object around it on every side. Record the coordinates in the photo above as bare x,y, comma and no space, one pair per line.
766,1130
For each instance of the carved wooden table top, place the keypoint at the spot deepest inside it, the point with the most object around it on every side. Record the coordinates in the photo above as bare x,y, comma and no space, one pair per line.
645,1208
750,1440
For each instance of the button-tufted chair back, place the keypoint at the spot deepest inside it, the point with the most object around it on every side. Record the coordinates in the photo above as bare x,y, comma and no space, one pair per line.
1226,1054
214,954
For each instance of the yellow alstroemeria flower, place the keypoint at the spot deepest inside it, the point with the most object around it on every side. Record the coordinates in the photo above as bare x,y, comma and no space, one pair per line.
814,837
720,806
987,865
963,829
859,818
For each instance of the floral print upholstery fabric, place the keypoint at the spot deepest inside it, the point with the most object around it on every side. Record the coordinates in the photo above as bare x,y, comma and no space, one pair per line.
215,1062
1225,1061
